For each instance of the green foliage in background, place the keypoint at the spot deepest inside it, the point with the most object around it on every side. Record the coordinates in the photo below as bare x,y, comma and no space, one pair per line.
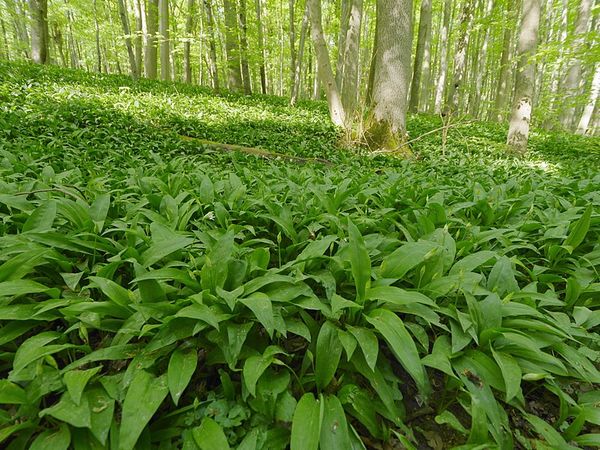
154,294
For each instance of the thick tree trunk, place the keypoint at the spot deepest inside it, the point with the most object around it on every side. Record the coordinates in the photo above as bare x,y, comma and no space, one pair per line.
234,80
586,116
212,46
422,43
325,73
298,67
573,78
460,58
392,76
189,29
39,30
244,49
518,131
443,71
151,54
127,32
165,45
261,47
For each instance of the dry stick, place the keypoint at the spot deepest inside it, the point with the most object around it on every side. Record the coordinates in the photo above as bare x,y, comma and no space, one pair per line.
254,151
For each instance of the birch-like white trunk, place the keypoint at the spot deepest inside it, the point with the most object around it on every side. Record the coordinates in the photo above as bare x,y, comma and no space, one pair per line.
588,111
38,10
518,131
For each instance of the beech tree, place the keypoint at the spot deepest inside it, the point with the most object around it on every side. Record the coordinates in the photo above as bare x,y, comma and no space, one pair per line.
39,30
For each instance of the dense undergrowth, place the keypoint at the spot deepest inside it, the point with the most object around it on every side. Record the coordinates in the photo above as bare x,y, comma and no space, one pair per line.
155,294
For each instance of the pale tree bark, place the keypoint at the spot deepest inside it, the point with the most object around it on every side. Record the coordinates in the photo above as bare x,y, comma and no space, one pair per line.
386,129
6,54
151,53
558,65
212,46
261,47
497,112
460,58
348,72
234,80
481,56
165,45
298,67
586,116
74,57
244,48
189,29
292,39
518,131
423,38
139,36
573,78
57,36
38,10
97,36
443,72
325,73
127,32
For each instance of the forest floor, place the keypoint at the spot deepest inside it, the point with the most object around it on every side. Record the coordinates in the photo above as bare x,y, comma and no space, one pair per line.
156,292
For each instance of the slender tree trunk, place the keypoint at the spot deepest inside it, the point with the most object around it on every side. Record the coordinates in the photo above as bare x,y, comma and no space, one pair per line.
445,35
232,46
371,79
261,47
586,116
210,26
422,42
298,67
518,131
558,65
392,75
497,112
573,78
343,32
58,40
97,37
189,29
292,39
165,46
325,73
127,32
39,30
151,54
5,37
460,58
139,36
244,48
348,84
481,58
71,40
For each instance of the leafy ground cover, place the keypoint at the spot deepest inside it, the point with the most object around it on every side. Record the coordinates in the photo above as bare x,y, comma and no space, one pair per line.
154,294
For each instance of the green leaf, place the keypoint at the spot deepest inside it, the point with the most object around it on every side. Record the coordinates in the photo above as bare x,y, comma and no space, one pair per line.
112,290
66,410
472,261
76,380
99,210
254,367
11,393
502,277
550,435
511,372
260,304
402,345
368,343
52,440
144,396
164,242
21,287
360,262
328,354
410,255
102,407
579,230
334,427
181,368
210,436
42,218
201,312
306,424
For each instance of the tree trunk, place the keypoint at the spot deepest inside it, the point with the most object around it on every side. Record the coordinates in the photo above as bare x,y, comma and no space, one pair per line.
58,40
97,36
460,58
477,92
39,30
348,83
558,65
298,67
261,47
586,116
573,78
392,75
234,80
210,26
422,42
139,36
127,32
165,46
244,48
441,81
292,39
189,29
518,131
5,37
497,112
151,55
71,40
325,73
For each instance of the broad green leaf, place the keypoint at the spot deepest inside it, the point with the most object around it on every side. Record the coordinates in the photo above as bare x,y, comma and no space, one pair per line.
52,439
102,407
42,218
502,277
210,436
334,427
391,327
548,433
76,380
260,304
397,296
306,424
254,367
11,393
20,287
360,262
66,410
579,230
410,255
472,262
144,396
368,343
181,368
201,312
164,242
112,290
328,354
99,210
511,372
37,347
